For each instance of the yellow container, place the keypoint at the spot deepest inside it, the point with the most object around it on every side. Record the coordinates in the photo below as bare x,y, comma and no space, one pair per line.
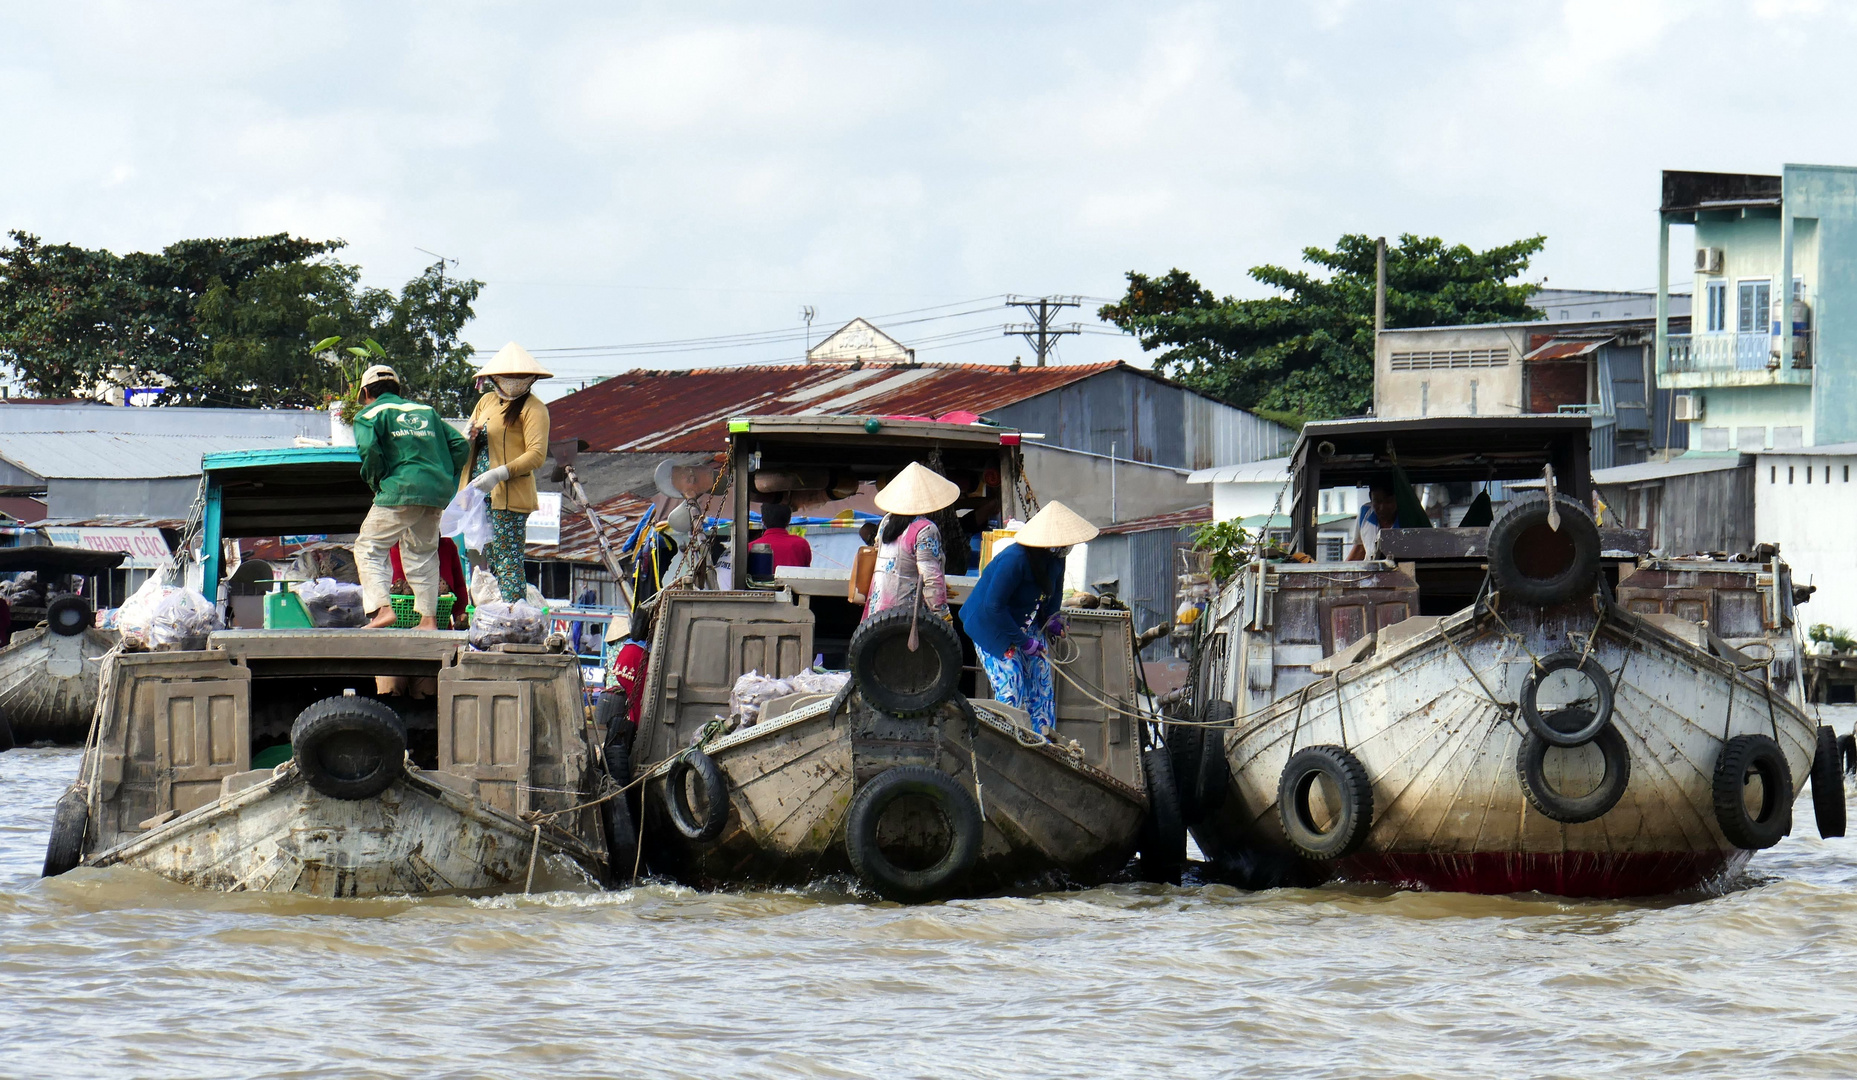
994,540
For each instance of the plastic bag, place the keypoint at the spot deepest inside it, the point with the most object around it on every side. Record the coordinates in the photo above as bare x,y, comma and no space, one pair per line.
752,691
24,591
820,682
497,623
484,587
467,515
165,617
332,603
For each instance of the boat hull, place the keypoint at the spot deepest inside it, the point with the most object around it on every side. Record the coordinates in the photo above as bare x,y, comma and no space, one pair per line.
418,838
48,684
1433,724
1049,819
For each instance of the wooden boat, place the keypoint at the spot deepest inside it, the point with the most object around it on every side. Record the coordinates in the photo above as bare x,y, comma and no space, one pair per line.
951,795
1395,721
1044,813
48,673
490,783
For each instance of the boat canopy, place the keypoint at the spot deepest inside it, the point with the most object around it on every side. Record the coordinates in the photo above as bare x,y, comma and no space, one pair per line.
1437,450
280,491
48,559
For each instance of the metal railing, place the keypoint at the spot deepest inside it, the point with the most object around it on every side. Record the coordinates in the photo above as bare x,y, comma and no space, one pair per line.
1734,351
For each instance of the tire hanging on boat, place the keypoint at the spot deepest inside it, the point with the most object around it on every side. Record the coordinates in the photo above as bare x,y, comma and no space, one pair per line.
616,817
1828,784
958,811
1568,726
1186,748
69,616
1742,757
70,820
1537,564
897,679
1350,820
1163,835
1530,766
694,766
1215,772
349,747
612,713
1847,748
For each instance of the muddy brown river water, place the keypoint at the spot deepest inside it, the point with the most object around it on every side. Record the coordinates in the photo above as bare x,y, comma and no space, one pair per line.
121,974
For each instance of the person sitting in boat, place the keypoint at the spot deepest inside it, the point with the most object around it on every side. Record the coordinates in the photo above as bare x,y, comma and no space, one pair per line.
1013,611
909,546
1381,511
411,458
789,550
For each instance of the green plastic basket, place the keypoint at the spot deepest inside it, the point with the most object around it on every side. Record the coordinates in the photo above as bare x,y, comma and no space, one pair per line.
404,616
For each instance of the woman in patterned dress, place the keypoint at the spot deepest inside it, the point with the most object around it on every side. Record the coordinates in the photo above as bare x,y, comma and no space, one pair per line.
909,552
509,440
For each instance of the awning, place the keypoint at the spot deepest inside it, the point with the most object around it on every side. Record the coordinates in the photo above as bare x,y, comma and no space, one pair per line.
1566,349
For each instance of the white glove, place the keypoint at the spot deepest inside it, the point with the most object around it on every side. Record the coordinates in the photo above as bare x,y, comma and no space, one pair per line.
491,478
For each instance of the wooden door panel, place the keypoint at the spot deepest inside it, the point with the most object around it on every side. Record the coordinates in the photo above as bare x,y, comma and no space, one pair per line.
202,735
486,729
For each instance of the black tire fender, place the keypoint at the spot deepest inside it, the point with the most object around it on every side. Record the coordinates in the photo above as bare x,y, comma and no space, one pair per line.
958,809
894,679
713,792
1530,767
1847,748
612,712
69,616
1186,745
1215,772
349,747
1535,564
1569,726
70,821
1740,758
1353,818
616,819
1163,835
1828,784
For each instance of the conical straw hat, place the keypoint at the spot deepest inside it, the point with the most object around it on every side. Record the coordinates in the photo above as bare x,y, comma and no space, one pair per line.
513,359
916,490
1055,526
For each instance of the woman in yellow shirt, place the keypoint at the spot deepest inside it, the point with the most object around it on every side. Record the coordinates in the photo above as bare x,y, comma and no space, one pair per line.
509,441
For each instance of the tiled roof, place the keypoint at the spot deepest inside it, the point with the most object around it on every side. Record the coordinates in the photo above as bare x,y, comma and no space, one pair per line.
1178,519
656,410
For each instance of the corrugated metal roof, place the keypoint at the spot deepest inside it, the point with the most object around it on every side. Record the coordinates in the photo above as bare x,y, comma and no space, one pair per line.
1842,449
1269,471
1563,349
1686,465
108,455
578,544
675,411
1178,519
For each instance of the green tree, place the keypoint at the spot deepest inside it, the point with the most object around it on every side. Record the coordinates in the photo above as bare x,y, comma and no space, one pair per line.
223,322
1307,354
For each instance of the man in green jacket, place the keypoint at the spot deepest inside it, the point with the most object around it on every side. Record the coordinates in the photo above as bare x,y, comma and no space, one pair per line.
412,459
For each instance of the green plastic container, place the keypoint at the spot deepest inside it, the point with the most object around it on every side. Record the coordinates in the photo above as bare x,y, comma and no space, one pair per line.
271,756
404,616
284,610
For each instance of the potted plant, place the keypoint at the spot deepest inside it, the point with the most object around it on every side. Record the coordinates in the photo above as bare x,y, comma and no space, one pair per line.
342,408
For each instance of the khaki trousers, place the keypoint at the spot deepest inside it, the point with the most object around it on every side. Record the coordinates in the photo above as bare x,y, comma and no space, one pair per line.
415,529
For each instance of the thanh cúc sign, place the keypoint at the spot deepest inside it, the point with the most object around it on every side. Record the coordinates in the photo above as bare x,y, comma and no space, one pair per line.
145,546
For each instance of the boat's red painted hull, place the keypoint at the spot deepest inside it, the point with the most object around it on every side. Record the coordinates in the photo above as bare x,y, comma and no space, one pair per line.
1573,873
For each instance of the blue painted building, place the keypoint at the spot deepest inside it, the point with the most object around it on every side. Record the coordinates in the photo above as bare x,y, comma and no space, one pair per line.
1770,361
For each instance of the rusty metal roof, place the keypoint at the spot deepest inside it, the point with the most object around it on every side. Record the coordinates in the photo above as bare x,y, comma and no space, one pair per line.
673,411
578,544
1177,519
1564,349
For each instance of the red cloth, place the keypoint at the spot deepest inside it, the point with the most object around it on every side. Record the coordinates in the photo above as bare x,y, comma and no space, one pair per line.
789,550
450,567
629,666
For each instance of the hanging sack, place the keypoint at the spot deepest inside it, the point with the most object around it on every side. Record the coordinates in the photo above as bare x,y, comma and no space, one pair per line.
467,515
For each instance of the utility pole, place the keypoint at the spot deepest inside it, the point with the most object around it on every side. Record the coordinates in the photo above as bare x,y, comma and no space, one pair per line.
1379,288
808,313
1040,334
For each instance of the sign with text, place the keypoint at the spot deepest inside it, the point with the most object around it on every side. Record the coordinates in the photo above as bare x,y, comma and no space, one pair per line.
145,546
545,523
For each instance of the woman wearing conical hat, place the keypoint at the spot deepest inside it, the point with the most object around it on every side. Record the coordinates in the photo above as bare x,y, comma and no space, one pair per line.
509,441
909,552
1012,612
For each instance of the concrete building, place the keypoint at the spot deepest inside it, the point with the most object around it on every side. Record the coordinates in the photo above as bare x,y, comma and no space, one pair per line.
1258,496
1595,305
1602,368
1769,361
1805,500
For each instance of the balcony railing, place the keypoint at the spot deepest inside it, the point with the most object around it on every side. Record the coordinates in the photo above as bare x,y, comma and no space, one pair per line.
1732,351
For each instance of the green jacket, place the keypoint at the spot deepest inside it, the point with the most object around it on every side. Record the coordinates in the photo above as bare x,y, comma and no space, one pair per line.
409,455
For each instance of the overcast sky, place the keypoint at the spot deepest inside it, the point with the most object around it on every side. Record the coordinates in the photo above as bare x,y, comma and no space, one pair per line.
625,174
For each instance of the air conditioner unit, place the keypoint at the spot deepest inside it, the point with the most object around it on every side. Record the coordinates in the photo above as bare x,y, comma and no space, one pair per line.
1688,407
1708,260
